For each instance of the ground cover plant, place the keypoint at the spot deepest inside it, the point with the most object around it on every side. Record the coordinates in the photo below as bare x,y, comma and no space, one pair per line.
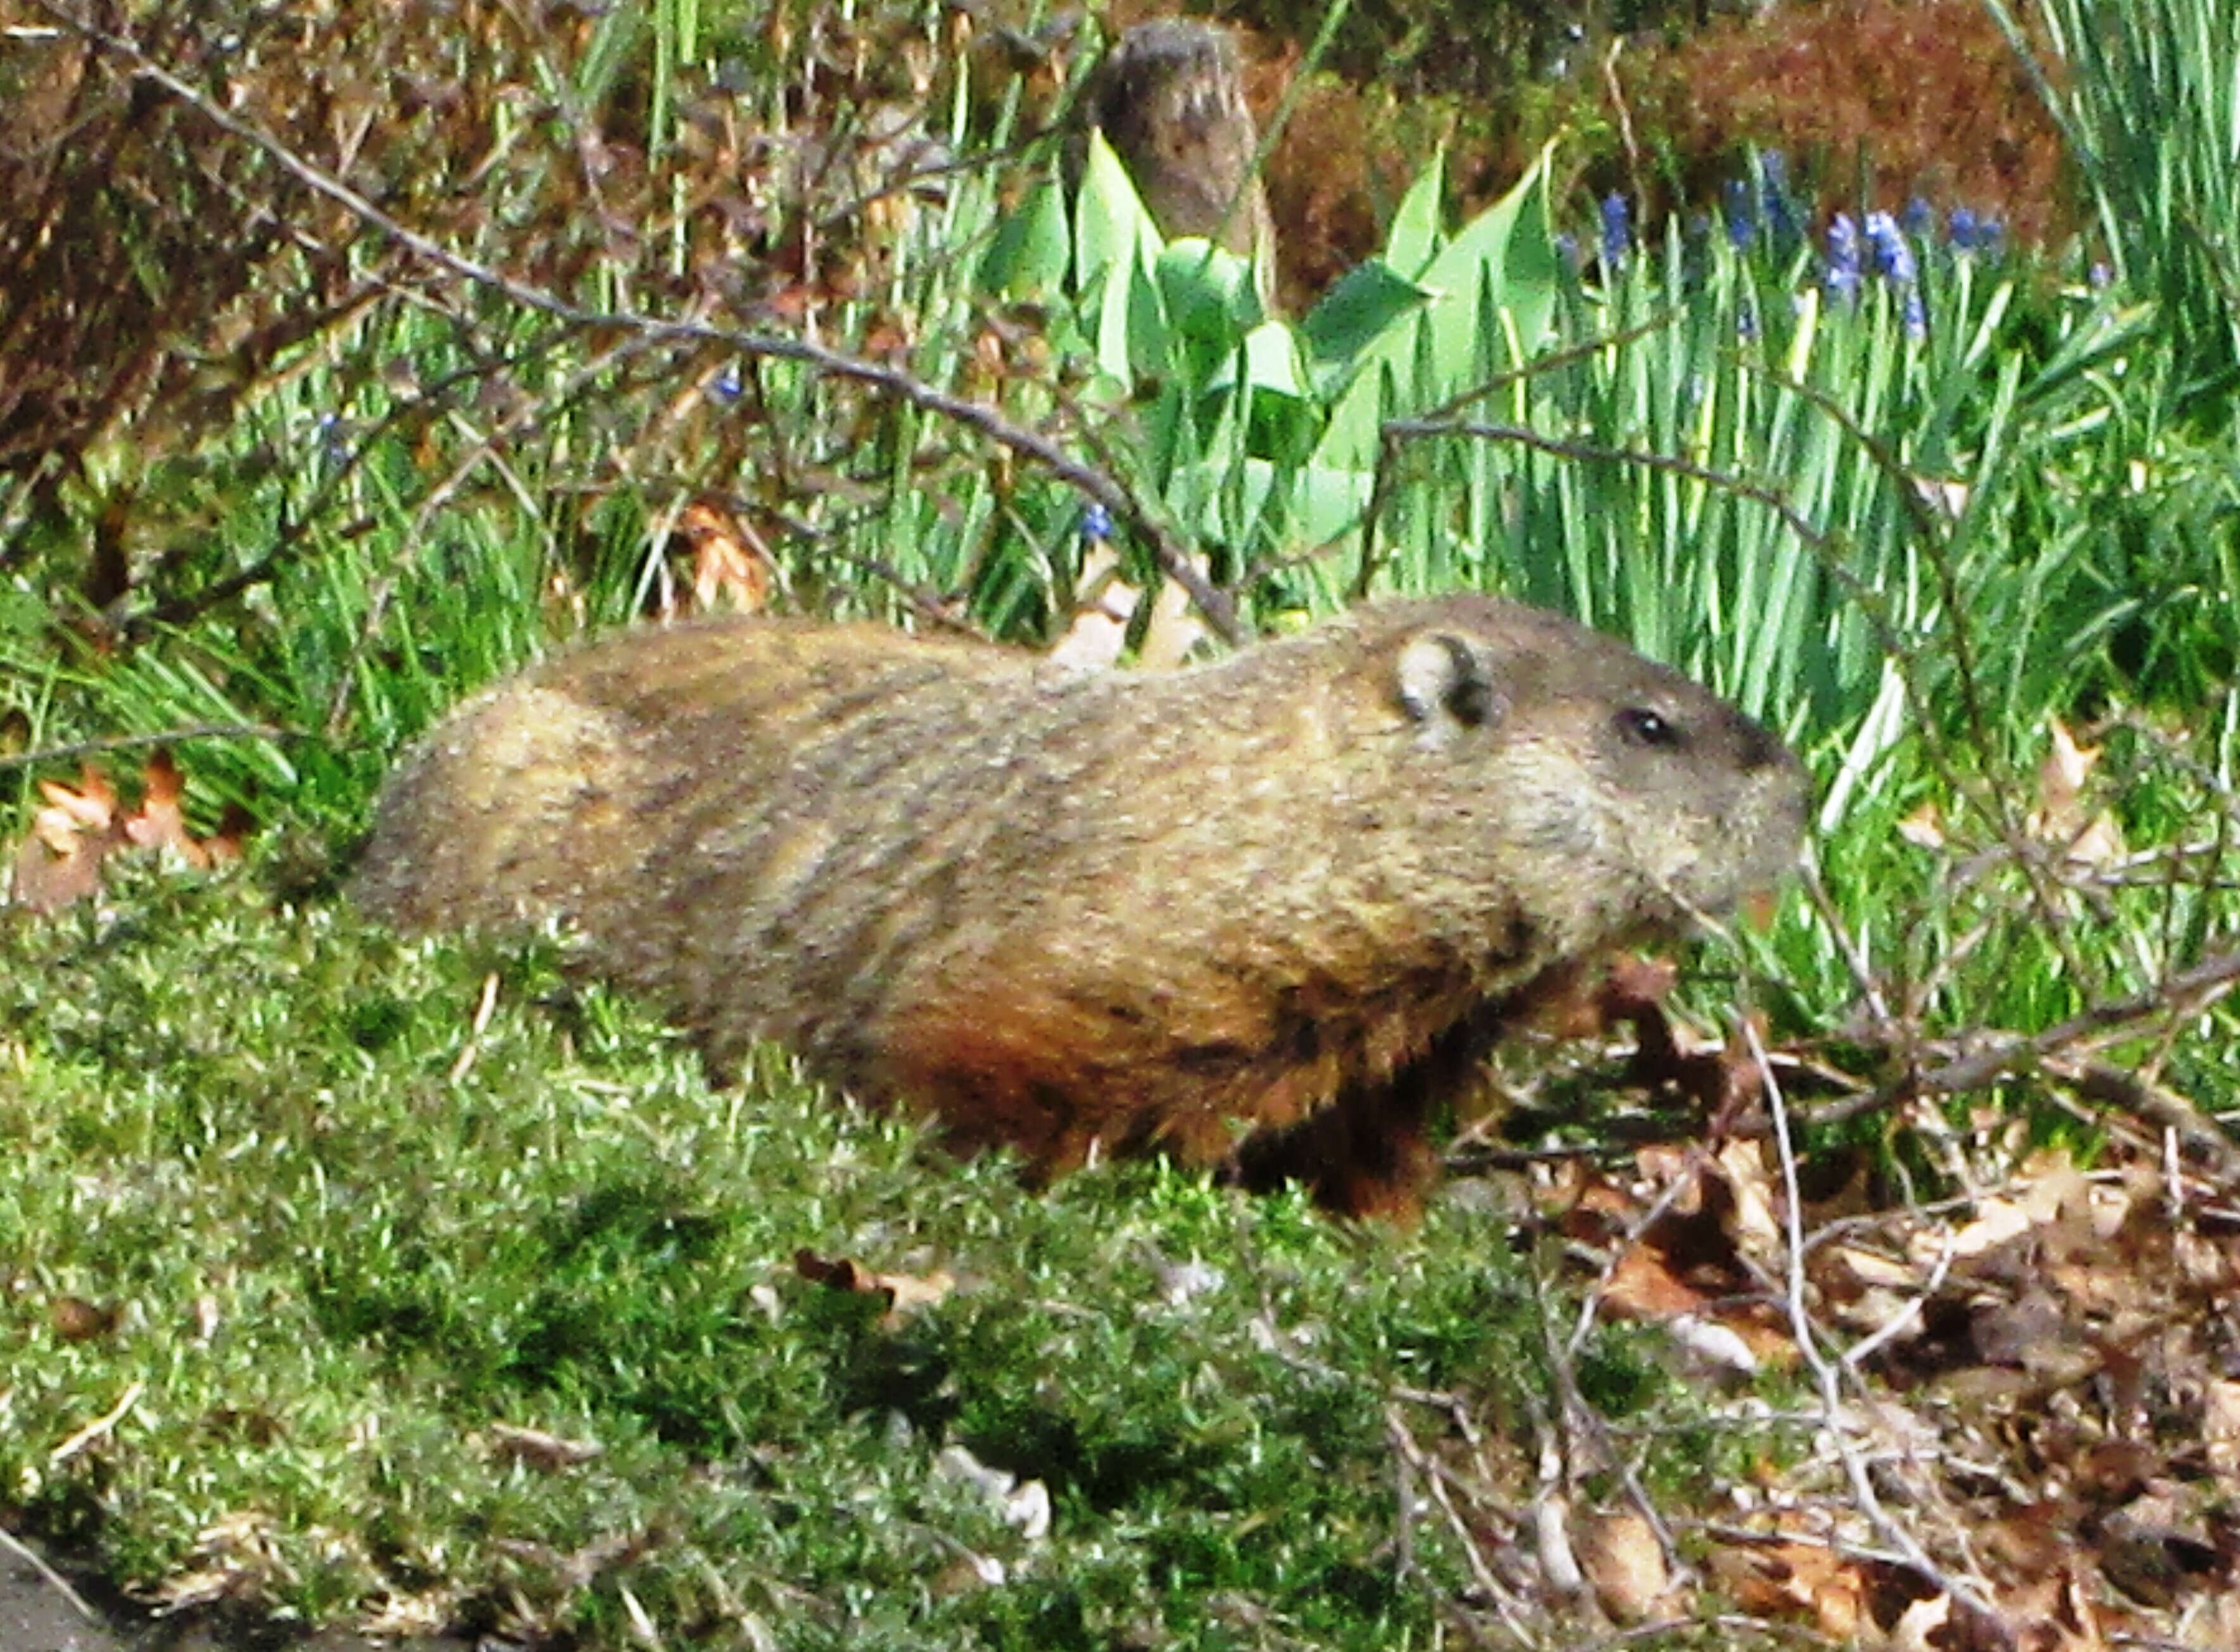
428,1285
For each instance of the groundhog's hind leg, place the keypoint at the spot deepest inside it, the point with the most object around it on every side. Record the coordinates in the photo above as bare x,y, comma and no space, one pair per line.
1370,1153
512,810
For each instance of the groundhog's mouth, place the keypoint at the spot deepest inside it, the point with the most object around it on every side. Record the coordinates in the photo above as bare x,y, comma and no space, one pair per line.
1758,907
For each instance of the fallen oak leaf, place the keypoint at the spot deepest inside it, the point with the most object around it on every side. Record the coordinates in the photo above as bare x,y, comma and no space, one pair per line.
905,1293
160,819
1623,1561
89,809
46,881
225,846
1781,1578
1103,603
76,1320
731,565
58,863
61,860
2063,817
1174,630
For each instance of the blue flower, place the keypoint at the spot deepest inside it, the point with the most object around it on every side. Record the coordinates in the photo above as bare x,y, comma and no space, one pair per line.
2101,277
727,386
1919,219
1961,231
1894,262
333,440
1742,214
1893,258
1844,258
1095,523
1618,230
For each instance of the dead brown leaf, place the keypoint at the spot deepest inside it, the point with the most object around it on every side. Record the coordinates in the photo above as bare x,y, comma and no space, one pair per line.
731,568
535,1448
2063,816
1175,629
60,861
905,1293
161,820
1925,828
1794,1580
1623,1561
1103,603
76,1320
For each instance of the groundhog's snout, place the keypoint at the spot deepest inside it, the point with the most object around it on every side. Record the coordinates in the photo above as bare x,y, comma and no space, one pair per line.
1767,822
1759,750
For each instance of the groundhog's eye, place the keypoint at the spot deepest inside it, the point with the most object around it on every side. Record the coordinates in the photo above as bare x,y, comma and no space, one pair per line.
1646,728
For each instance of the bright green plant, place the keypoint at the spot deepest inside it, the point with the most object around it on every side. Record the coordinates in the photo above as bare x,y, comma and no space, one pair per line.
2145,97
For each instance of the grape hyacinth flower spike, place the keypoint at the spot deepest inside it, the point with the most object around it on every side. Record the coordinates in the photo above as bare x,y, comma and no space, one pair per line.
1843,278
1617,231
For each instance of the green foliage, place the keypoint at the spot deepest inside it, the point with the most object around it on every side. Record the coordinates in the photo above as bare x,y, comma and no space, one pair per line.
344,1253
1263,435
2144,96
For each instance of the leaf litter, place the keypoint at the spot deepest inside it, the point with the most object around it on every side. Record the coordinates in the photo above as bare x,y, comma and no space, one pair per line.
74,832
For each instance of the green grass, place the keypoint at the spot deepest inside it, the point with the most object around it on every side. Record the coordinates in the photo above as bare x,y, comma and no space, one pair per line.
338,1260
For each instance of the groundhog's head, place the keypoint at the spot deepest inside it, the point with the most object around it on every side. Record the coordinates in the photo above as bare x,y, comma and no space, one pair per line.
1175,85
1632,801
1170,100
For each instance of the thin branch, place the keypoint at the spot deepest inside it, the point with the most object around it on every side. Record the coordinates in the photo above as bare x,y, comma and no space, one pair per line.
1217,606
166,737
1388,442
1593,452
1826,1374
32,1558
2189,992
1932,533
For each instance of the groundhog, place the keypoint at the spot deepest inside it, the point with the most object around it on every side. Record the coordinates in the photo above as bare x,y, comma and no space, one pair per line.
1169,98
1285,899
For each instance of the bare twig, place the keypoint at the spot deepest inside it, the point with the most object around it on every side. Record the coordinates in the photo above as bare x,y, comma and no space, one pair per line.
100,1425
1862,975
2188,992
1389,440
1426,1475
1217,606
37,1561
133,741
485,450
296,526
1934,535
1827,1375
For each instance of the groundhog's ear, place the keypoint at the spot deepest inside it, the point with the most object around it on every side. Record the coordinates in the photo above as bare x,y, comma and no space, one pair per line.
1443,680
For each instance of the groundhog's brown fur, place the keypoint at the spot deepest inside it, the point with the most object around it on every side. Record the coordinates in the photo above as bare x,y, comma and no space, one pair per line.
1079,913
1169,98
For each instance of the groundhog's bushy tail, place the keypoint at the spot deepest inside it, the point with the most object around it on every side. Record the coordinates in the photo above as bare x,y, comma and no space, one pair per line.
510,811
